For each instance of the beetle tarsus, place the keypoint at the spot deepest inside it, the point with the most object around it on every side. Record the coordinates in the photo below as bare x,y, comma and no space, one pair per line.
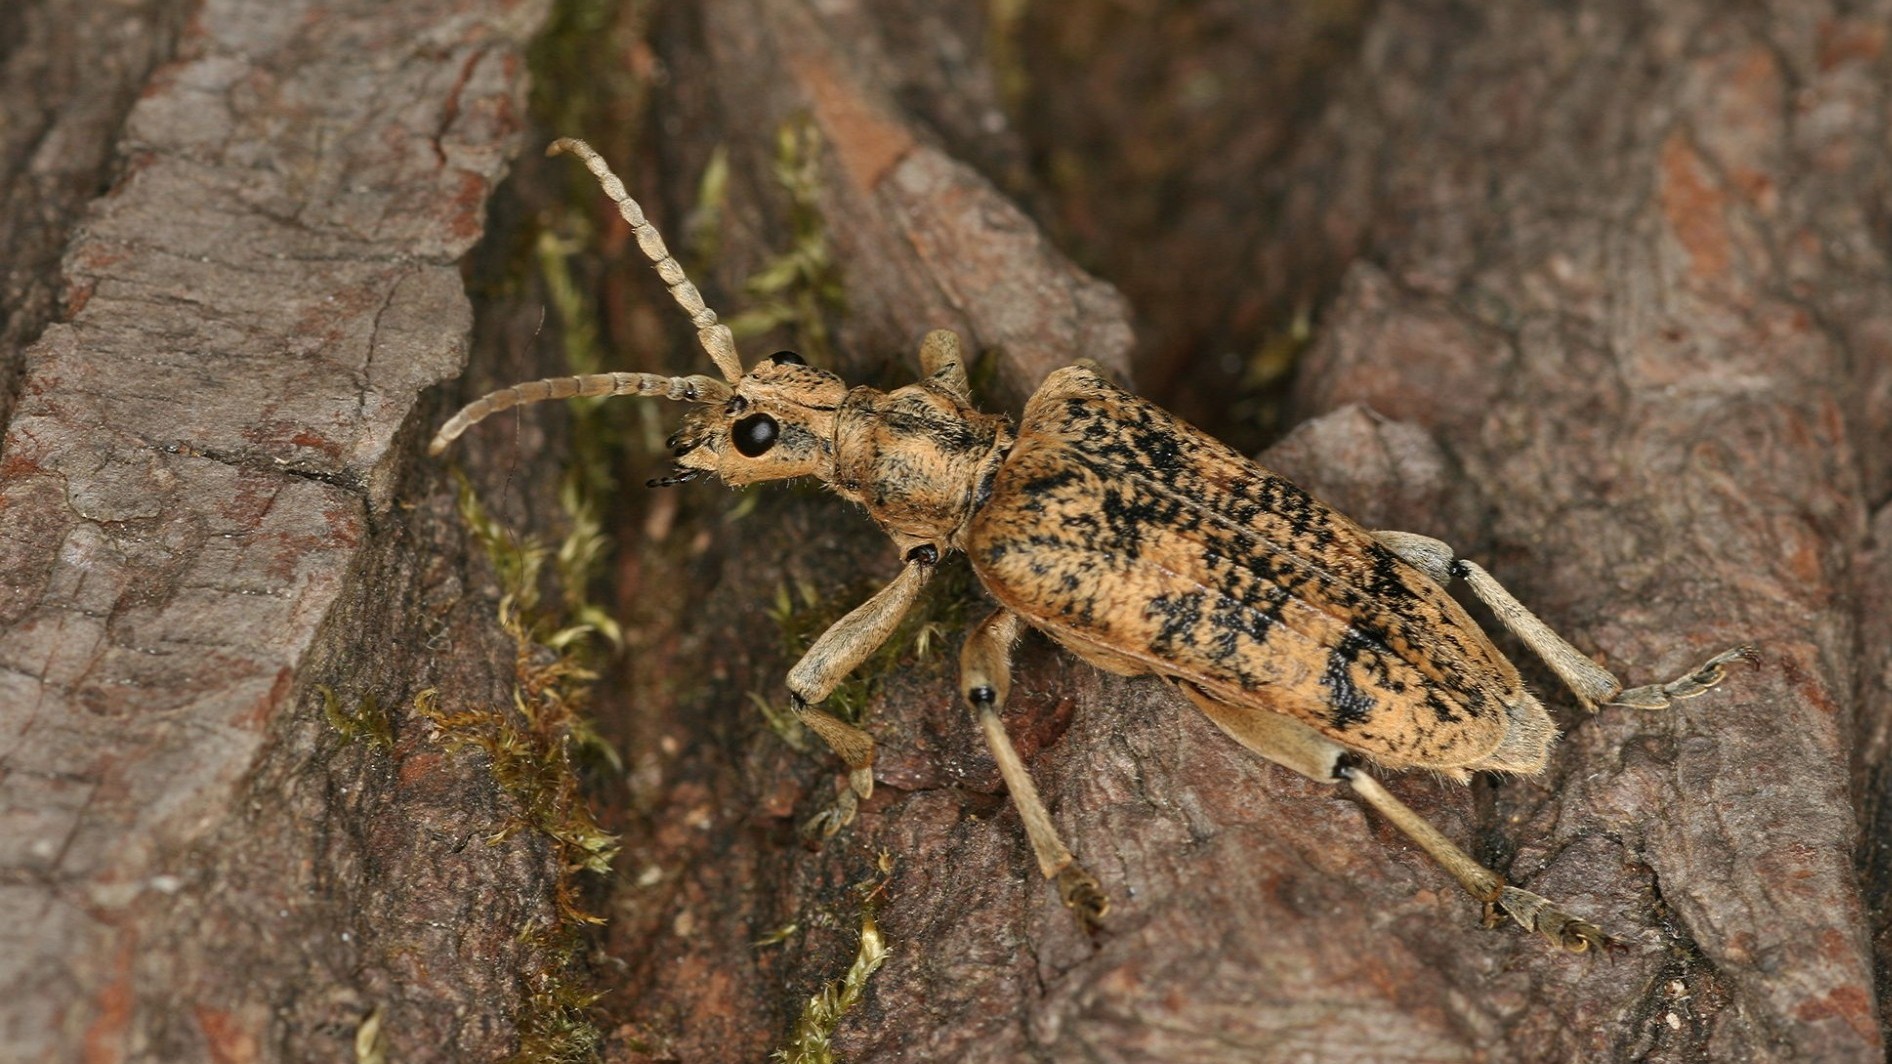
1084,896
834,816
1699,681
1536,913
855,746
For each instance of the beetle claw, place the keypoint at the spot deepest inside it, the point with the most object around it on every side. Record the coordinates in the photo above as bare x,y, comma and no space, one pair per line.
1084,897
1536,913
834,816
1710,673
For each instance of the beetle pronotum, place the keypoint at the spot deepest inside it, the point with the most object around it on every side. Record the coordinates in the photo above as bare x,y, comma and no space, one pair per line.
1145,547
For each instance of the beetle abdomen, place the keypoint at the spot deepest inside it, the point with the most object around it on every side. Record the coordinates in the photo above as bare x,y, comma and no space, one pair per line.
1114,526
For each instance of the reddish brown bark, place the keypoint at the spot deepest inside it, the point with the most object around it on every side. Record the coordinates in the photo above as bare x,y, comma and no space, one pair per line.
206,515
1600,295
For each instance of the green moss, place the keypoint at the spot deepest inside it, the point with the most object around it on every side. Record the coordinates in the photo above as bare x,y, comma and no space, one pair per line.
580,82
800,286
369,723
370,1046
531,750
703,228
808,1042
1005,20
556,1024
779,935
536,748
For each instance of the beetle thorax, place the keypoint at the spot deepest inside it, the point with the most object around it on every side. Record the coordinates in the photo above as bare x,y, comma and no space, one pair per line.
916,457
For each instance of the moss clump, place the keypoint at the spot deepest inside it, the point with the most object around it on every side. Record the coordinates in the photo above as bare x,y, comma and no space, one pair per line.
800,286
369,723
808,1042
535,750
555,1023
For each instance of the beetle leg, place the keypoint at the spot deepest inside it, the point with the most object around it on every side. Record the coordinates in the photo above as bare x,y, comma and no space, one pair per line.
839,651
1662,695
1591,682
1532,912
985,679
942,362
1432,557
1294,745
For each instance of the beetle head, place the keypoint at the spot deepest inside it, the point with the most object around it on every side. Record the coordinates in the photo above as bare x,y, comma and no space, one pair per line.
777,423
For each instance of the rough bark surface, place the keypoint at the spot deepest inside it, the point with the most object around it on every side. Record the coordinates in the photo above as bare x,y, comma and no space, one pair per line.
200,526
1601,296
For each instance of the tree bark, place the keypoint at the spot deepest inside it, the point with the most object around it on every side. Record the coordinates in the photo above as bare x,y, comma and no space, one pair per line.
238,230
1599,295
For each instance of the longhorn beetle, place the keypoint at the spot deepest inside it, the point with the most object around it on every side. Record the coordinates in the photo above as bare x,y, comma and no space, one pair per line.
1144,547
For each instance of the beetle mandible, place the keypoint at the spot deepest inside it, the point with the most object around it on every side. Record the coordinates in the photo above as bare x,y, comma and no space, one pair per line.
1145,547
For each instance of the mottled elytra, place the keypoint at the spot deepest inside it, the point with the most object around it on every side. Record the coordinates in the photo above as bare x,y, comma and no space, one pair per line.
1144,547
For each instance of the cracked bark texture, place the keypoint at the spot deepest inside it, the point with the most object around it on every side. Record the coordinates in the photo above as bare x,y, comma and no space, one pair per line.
1600,296
235,232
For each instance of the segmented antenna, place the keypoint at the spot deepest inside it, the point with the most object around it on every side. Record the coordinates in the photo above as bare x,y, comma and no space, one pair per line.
696,389
715,337
712,334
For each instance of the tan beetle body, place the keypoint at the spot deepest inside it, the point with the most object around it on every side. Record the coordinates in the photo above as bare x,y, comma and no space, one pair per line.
1146,547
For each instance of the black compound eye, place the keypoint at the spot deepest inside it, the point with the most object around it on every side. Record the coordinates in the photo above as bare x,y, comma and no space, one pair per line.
754,434
787,358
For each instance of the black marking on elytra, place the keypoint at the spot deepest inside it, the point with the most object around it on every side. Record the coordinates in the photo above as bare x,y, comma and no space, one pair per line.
1233,621
1182,616
1040,488
1349,705
1390,581
1444,712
